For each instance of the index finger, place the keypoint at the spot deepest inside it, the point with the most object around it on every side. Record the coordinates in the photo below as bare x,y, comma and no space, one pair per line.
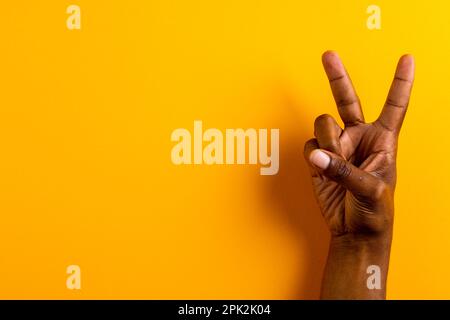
394,109
344,93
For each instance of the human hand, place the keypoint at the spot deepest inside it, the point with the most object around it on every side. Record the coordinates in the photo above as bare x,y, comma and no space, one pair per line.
354,169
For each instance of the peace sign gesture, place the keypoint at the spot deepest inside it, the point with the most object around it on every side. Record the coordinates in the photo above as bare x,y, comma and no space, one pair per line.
354,175
353,169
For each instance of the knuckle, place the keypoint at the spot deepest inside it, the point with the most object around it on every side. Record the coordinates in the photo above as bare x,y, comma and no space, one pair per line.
332,145
396,103
341,169
380,190
310,145
322,118
347,101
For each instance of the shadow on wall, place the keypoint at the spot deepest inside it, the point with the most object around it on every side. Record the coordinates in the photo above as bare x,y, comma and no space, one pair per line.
291,195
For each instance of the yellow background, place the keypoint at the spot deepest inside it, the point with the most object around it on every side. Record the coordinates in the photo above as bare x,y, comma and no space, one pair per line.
85,121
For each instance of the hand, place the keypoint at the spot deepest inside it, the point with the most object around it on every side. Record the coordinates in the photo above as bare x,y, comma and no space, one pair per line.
354,169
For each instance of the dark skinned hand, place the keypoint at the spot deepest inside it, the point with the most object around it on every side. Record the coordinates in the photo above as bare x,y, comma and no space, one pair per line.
354,169
354,176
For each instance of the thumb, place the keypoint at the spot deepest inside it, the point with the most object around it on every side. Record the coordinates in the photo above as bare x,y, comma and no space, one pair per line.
357,181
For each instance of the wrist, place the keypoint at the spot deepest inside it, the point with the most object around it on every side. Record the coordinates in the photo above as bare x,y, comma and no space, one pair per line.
353,260
363,244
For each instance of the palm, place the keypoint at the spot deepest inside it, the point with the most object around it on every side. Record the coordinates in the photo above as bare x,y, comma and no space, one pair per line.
370,147
372,153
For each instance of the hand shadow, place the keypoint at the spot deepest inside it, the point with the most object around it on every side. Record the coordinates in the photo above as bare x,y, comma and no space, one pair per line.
291,195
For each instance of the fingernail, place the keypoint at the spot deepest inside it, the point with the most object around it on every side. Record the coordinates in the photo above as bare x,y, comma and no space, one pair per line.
320,159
